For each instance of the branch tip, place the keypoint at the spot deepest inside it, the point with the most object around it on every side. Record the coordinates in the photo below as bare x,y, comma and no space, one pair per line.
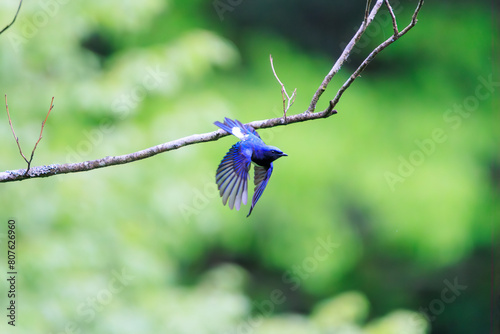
393,17
288,102
14,19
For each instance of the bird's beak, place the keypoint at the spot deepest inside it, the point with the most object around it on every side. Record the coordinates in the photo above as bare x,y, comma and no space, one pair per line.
284,154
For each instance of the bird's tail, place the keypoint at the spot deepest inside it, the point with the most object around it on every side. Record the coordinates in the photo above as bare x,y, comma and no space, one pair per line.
236,128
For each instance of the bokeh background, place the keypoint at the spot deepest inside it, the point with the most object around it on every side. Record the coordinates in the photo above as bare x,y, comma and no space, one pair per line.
380,220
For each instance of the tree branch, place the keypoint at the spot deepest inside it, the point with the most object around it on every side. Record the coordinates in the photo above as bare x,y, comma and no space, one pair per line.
45,171
345,54
376,51
14,19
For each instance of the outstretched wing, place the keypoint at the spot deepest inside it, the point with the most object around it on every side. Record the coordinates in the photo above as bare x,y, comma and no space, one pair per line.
232,176
262,175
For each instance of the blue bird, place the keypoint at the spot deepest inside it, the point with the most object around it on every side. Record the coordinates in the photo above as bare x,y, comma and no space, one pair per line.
232,174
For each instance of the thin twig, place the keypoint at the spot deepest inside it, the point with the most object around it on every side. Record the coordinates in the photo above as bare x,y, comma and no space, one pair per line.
413,19
393,16
14,19
367,9
13,132
289,100
294,95
372,55
345,55
40,137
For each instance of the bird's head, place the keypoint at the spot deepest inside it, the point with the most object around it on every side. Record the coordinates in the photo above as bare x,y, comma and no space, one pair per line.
272,153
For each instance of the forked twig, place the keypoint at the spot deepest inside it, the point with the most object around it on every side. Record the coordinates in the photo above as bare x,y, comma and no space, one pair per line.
393,17
289,99
14,19
17,138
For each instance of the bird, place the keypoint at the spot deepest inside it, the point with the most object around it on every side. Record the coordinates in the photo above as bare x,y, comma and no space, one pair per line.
232,174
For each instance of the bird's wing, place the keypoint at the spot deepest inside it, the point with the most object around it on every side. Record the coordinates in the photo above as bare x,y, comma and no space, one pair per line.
262,175
252,130
232,176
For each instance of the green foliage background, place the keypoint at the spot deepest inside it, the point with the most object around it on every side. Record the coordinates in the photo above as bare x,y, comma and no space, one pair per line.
129,75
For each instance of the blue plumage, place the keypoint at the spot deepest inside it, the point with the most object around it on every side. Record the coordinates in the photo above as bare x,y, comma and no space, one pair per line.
232,174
